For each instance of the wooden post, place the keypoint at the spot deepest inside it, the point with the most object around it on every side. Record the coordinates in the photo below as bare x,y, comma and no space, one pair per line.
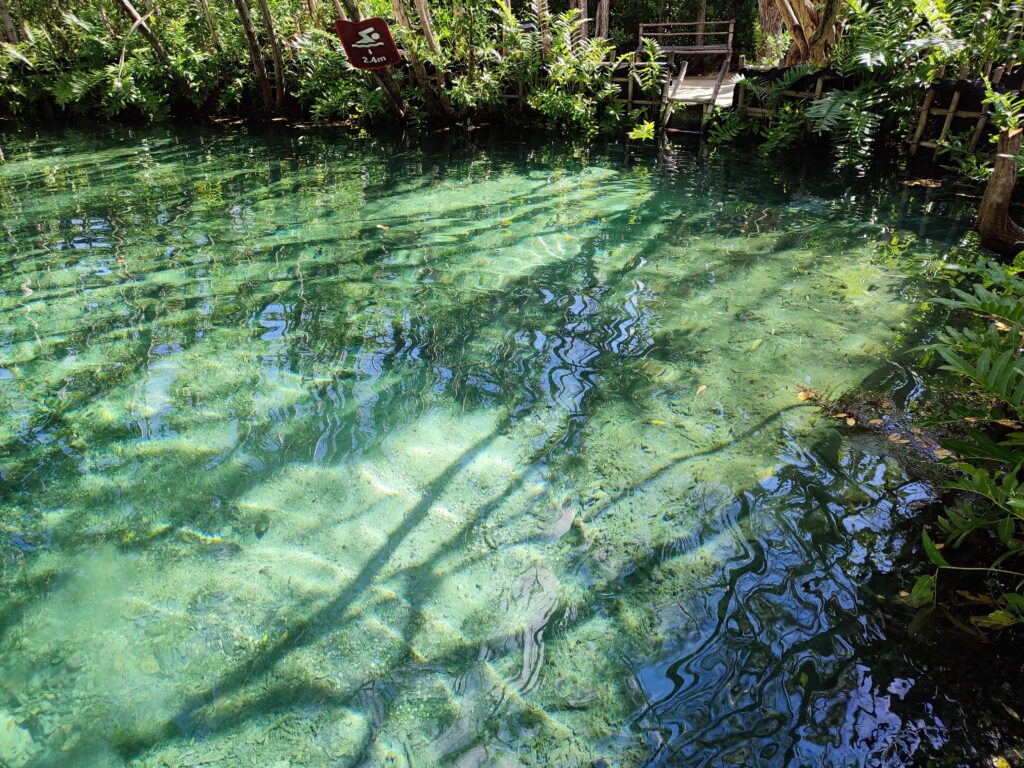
275,47
925,112
998,231
979,130
953,104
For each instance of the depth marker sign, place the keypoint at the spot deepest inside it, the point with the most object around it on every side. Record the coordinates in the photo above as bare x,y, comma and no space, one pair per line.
368,43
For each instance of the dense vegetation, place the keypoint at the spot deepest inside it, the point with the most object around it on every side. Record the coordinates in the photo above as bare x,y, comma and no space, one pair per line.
464,59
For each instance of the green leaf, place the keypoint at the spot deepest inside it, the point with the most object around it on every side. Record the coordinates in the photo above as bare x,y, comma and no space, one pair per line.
1005,530
923,591
932,551
1016,602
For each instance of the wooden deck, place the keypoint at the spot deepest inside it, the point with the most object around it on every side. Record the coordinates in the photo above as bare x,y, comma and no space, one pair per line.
701,90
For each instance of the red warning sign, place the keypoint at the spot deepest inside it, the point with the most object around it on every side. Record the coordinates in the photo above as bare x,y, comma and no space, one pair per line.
368,43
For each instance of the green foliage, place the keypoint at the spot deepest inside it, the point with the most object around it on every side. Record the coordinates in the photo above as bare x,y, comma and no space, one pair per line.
643,131
986,357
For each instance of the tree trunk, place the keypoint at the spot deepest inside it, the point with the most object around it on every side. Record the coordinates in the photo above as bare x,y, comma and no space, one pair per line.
813,29
771,24
998,231
382,77
702,16
540,9
418,69
10,31
275,47
601,22
255,54
427,28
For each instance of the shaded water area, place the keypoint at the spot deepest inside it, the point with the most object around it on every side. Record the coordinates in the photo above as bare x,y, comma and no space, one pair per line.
325,452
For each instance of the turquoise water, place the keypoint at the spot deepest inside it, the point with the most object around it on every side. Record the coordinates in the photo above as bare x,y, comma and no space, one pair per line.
320,451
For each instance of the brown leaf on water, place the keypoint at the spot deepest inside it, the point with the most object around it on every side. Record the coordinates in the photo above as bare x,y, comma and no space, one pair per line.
942,453
383,227
701,389
1009,423
876,422
851,422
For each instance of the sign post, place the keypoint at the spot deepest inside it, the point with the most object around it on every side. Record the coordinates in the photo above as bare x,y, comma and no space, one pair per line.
368,43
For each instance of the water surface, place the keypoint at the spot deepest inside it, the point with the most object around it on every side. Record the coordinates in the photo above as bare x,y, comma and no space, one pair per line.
326,452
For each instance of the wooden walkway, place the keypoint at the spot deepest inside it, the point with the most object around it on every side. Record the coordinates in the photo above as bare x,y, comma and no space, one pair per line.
701,90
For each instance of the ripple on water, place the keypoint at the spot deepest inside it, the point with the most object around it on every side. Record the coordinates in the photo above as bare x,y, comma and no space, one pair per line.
469,456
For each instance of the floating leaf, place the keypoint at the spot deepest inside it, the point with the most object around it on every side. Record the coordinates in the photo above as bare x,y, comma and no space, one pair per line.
383,227
851,422
875,422
757,343
701,389
657,422
942,453
842,415
932,551
996,620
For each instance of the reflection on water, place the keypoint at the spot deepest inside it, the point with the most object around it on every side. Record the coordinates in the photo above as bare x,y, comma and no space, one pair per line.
319,452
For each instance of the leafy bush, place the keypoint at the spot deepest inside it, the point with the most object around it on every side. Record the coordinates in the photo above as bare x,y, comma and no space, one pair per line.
987,358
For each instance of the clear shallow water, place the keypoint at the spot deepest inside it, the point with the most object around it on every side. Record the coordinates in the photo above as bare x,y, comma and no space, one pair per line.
322,452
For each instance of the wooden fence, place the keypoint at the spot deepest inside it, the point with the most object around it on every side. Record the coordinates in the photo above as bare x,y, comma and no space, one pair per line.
955,106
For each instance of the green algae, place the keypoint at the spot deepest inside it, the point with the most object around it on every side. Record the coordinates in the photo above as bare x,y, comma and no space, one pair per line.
349,458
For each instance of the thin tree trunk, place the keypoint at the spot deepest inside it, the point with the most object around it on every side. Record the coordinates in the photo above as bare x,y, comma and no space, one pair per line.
998,231
143,27
540,8
418,68
10,31
427,28
601,23
208,15
255,54
382,77
702,16
275,48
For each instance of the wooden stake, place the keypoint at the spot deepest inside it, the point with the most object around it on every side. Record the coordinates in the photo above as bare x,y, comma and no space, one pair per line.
953,104
979,130
925,111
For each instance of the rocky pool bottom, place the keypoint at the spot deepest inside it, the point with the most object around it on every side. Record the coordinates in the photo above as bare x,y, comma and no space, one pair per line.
329,452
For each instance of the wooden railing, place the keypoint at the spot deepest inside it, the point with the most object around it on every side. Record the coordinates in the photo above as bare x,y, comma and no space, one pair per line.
713,37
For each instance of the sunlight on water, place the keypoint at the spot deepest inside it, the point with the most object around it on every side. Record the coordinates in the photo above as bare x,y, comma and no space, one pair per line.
317,452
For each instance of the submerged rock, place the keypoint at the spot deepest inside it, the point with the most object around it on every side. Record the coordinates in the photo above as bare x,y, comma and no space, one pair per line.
17,746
